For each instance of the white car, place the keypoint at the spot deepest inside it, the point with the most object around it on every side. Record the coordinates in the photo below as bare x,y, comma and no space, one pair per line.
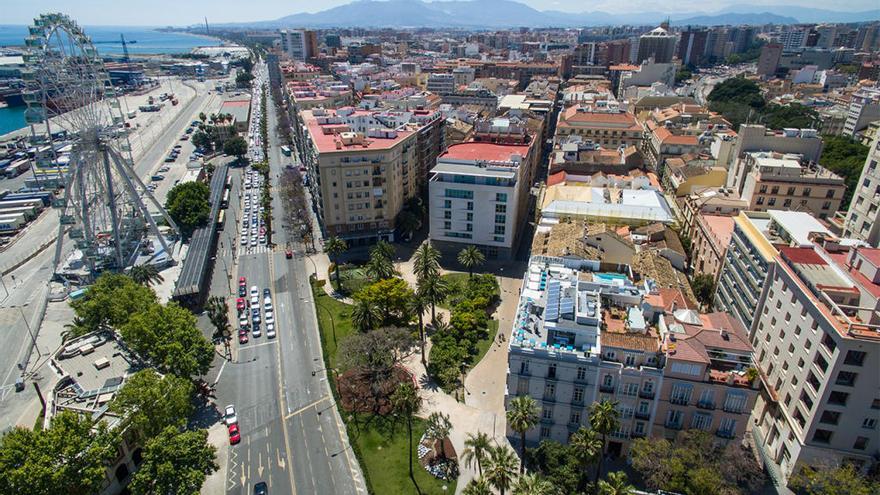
256,332
255,302
230,418
255,291
253,242
270,317
242,320
270,330
267,304
244,241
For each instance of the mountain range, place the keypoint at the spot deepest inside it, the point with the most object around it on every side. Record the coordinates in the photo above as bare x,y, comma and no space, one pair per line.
496,14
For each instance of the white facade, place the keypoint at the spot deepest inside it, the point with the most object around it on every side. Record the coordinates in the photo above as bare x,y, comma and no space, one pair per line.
295,44
441,83
863,218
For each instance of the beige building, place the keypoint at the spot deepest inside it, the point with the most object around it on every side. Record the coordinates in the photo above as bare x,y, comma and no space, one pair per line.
609,129
709,242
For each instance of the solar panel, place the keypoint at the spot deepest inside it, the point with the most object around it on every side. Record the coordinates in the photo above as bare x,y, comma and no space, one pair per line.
566,306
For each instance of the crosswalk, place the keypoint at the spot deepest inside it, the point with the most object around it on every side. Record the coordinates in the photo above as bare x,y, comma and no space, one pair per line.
258,249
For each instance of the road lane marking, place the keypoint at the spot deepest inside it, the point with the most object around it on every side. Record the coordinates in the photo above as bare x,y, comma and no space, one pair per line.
302,409
243,347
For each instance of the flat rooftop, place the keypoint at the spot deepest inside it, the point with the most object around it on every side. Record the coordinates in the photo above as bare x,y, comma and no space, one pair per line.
481,151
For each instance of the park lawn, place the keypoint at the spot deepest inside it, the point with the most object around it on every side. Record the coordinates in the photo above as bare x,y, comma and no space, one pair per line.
331,313
454,280
385,457
353,279
484,344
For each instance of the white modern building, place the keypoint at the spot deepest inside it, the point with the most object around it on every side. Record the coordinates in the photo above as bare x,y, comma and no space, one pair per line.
298,44
863,218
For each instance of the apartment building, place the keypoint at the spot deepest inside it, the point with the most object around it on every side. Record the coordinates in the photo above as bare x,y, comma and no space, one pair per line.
778,180
817,342
863,218
751,254
709,242
658,44
864,108
362,167
478,193
299,44
607,128
441,83
804,142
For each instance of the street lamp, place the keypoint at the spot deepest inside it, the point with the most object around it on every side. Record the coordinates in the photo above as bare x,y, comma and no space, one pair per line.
332,322
31,333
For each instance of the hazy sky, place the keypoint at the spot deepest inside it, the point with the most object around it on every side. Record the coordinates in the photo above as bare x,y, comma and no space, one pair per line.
185,12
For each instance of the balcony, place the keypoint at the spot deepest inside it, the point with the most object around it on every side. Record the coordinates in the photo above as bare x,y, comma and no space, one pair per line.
732,409
706,405
672,426
637,434
608,389
577,402
551,377
681,401
549,398
547,421
646,394
725,433
642,415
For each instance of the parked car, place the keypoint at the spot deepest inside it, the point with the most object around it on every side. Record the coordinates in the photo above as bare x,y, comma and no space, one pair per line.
229,417
242,337
234,434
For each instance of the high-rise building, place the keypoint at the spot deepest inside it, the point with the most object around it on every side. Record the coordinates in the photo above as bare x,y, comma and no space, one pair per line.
659,44
299,44
864,108
863,218
692,46
768,61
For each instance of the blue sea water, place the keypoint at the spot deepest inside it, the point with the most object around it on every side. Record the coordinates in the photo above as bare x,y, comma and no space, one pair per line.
106,39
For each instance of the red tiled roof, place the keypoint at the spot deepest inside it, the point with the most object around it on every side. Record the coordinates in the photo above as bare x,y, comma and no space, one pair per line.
802,256
721,228
485,151
237,103
326,143
556,178
871,254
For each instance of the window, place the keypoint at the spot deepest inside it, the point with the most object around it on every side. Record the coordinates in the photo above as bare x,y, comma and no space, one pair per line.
500,208
575,417
681,393
447,225
545,432
838,398
500,218
806,191
826,205
686,369
763,189
499,229
806,400
607,380
498,238
701,421
774,190
829,343
822,436
771,202
813,381
502,197
869,423
581,373
707,398
799,417
547,413
577,395
459,193
830,417
861,443
469,217
786,203
760,200
447,203
639,428
644,407
854,358
790,191
829,194
846,378
447,214
550,391
821,362
522,386
735,401
630,389
727,425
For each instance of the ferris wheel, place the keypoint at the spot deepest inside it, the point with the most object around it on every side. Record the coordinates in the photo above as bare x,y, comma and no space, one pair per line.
72,103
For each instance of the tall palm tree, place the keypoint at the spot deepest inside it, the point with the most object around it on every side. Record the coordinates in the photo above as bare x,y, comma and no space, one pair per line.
218,313
385,249
426,261
501,468
470,258
587,448
532,484
406,400
145,275
365,315
417,305
335,246
438,428
477,487
434,290
604,420
379,267
522,416
616,483
476,450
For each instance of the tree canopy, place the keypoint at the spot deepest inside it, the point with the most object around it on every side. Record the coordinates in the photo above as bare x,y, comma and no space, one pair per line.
187,203
846,158
168,337
69,457
842,480
151,401
235,146
391,296
175,463
740,100
110,302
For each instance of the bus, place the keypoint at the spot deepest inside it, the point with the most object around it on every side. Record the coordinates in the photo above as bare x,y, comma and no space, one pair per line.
285,150
221,219
229,182
225,202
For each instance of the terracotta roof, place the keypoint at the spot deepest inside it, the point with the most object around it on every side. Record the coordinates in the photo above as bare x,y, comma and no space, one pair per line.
720,227
802,256
630,340
666,297
485,151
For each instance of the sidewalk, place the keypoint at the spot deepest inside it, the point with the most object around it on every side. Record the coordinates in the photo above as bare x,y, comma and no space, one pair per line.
219,438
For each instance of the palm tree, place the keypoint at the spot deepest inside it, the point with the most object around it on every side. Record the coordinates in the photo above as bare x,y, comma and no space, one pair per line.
477,487
604,420
365,315
433,289
437,429
146,275
334,247
408,222
501,468
426,261
470,258
385,249
616,483
587,448
532,484
218,313
476,450
203,117
417,305
406,400
379,267
522,416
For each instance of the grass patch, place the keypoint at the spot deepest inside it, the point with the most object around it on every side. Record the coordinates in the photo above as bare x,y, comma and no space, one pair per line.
483,345
379,445
384,447
456,283
353,279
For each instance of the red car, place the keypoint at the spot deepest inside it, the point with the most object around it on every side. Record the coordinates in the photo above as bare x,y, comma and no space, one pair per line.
242,281
242,337
234,434
240,304
288,254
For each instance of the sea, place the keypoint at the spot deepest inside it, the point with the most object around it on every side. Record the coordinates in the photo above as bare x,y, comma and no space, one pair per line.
141,40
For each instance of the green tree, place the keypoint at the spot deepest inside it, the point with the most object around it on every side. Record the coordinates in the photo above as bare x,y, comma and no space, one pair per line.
841,480
384,249
845,157
218,313
417,306
168,337
477,487
150,402
560,464
175,462
146,274
334,247
202,139
433,289
704,288
406,400
408,222
69,457
365,315
470,258
426,261
522,416
616,483
379,267
243,79
187,204
109,303
604,420
236,147
373,356
501,468
438,428
532,484
392,297
587,447
476,450
203,117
